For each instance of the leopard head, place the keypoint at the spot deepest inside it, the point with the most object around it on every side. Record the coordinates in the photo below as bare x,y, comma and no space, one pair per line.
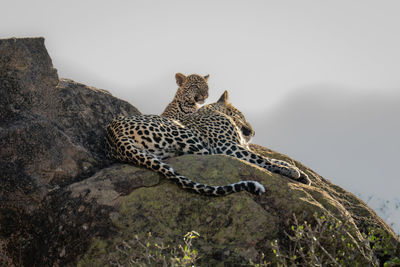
224,106
192,88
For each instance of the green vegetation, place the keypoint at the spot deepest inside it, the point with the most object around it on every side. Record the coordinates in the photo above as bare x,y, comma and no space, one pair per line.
329,242
146,251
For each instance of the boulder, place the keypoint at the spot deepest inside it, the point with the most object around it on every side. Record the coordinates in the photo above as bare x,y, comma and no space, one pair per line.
51,129
63,203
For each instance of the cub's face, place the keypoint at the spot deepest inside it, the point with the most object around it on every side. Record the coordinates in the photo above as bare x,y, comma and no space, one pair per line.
192,88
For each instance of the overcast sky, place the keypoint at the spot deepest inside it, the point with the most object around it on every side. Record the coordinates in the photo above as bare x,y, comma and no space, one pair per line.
318,79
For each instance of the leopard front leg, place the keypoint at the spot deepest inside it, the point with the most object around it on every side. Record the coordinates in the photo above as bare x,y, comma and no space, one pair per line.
303,176
240,152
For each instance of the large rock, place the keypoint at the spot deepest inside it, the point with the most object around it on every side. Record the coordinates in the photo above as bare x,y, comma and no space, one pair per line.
63,203
51,130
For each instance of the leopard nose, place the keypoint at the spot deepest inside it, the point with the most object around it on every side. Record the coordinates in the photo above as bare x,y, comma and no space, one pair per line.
246,131
199,99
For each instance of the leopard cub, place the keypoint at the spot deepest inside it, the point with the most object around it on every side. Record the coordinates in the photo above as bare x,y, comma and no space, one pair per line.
193,89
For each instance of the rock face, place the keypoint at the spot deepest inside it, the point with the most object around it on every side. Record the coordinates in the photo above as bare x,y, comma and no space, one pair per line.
62,202
51,129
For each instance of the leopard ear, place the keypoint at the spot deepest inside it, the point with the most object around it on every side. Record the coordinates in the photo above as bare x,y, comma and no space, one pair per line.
180,78
224,98
206,77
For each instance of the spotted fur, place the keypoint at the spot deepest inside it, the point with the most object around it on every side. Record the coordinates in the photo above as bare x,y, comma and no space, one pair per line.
192,90
214,129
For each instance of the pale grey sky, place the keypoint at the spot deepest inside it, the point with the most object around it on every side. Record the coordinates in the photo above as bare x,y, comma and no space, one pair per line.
330,58
351,138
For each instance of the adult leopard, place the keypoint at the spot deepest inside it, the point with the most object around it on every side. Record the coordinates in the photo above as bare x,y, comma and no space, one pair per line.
214,129
193,89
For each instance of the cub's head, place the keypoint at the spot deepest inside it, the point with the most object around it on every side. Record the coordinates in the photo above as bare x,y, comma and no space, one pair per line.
223,106
192,88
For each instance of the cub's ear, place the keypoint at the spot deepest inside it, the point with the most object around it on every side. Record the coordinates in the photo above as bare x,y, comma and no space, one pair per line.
206,77
180,78
224,98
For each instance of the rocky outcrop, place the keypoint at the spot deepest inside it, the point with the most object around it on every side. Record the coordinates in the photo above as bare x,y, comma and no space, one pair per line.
63,202
51,130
